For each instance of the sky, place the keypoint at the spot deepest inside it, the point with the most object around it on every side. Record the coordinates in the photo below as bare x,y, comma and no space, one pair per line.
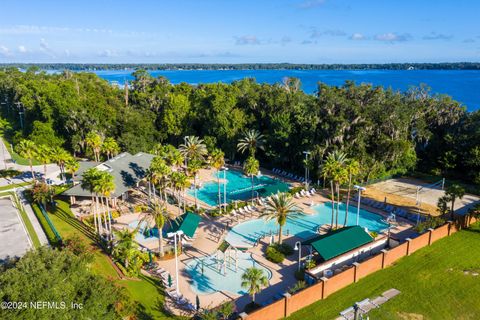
240,31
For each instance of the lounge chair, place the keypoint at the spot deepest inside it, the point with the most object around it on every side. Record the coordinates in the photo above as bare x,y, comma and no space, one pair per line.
297,195
348,313
313,190
365,305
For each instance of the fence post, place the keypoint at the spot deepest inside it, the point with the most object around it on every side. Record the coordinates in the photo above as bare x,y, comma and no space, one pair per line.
430,230
408,245
449,227
355,271
287,297
384,253
324,281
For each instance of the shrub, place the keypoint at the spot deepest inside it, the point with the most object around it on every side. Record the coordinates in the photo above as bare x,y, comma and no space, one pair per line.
310,264
274,255
297,287
300,274
432,222
374,234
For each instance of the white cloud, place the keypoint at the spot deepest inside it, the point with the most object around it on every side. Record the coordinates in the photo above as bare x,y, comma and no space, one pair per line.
393,37
247,40
437,36
4,51
107,53
315,33
44,45
358,36
22,49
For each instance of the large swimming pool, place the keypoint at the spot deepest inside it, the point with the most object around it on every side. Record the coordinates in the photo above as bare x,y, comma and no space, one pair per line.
209,275
238,187
302,225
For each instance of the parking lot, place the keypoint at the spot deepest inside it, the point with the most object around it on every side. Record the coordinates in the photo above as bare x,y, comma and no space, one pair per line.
14,240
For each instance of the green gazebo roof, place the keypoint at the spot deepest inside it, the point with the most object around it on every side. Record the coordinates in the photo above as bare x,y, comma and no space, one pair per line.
340,241
188,223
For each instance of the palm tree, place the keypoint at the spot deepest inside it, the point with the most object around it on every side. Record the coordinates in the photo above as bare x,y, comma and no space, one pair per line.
44,156
89,179
94,141
353,169
251,141
218,161
72,166
60,156
279,208
125,245
106,186
173,157
161,172
180,183
453,192
250,168
193,168
334,169
253,280
28,150
193,149
110,147
158,216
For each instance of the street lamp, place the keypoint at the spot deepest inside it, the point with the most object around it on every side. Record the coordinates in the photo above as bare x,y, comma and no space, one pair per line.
225,169
359,189
175,235
21,111
306,153
298,247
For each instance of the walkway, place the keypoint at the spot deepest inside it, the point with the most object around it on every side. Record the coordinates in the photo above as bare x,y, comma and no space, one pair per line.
14,238
32,217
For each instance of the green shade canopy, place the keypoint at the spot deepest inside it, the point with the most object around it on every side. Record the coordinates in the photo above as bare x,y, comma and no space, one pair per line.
338,242
188,223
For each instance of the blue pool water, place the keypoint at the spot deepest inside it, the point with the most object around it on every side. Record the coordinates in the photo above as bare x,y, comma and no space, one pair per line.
302,225
213,280
238,187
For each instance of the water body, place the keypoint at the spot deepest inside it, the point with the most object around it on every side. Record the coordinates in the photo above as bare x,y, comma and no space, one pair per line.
462,85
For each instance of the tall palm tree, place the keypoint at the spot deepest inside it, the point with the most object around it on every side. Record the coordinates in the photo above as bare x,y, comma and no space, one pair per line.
217,161
251,168
28,150
161,172
254,280
251,141
110,147
94,141
173,157
106,186
193,149
44,155
72,166
89,179
454,192
125,245
353,169
279,208
60,156
193,167
157,215
334,169
180,183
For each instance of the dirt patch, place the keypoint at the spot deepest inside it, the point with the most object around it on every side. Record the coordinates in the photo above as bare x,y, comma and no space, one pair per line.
410,316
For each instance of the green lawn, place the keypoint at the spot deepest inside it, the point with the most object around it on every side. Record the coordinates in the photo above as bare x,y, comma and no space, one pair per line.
146,291
432,282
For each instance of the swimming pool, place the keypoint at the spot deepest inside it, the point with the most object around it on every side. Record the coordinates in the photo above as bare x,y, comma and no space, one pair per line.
144,234
303,225
239,187
213,279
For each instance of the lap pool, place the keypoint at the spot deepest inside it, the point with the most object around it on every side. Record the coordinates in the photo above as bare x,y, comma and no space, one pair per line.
302,225
238,187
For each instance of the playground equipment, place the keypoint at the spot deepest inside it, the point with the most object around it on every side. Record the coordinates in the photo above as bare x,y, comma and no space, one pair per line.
227,260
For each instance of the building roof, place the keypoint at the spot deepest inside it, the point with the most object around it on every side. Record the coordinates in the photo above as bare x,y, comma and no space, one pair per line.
339,241
126,169
188,223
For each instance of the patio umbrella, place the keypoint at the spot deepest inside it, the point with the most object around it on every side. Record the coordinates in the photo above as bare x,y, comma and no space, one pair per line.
197,300
169,280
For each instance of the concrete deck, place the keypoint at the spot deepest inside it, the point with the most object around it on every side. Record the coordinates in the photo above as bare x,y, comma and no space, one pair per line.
14,239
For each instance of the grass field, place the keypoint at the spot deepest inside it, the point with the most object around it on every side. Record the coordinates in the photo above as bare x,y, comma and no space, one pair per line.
435,283
146,291
15,185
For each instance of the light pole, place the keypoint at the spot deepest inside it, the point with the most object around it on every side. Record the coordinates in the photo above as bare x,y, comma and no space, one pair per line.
360,190
21,110
306,153
225,169
175,235
298,247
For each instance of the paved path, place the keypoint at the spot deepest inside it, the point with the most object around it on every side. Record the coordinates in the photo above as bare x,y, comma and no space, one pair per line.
14,238
33,218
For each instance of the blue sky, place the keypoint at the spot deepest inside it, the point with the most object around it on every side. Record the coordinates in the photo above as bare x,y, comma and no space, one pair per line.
233,31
